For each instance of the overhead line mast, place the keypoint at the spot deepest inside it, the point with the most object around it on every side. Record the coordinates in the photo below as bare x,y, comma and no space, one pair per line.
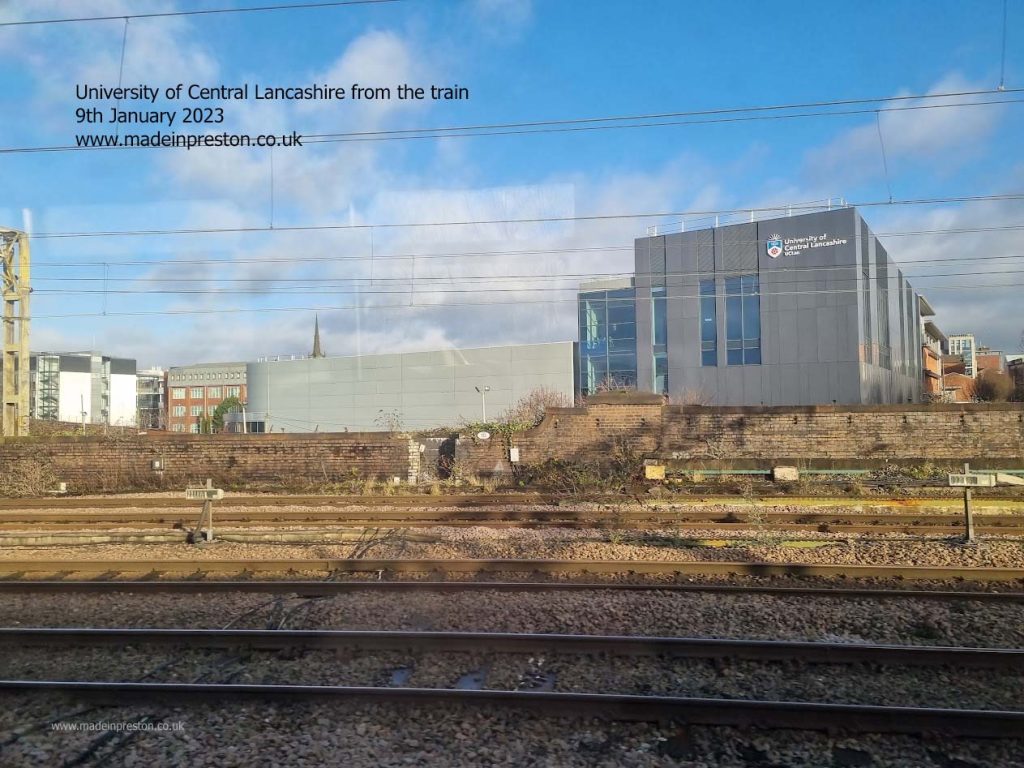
15,262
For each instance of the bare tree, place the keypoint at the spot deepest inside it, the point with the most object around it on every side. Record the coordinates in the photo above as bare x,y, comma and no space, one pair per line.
993,387
693,396
612,383
530,409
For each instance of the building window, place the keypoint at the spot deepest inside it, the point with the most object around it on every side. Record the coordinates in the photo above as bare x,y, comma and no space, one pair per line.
197,410
742,320
211,409
178,410
234,391
661,373
178,428
659,318
178,393
607,322
213,393
708,323
193,428
197,393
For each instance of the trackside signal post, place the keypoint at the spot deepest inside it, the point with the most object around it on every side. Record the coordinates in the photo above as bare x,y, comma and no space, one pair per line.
970,480
15,264
207,495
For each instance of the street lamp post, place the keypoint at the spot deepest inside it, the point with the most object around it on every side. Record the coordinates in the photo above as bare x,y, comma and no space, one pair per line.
483,400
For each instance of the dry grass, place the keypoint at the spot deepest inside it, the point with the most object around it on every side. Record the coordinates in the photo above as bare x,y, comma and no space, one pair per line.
27,478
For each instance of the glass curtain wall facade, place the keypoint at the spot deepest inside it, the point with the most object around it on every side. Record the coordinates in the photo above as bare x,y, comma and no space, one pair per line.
792,310
607,349
742,320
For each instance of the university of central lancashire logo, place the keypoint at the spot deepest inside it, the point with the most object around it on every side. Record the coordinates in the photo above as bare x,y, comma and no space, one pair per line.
774,246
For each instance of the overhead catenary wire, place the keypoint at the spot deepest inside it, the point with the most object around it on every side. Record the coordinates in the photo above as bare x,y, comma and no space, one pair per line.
499,253
311,139
589,124
317,284
317,287
199,12
885,161
1001,197
449,305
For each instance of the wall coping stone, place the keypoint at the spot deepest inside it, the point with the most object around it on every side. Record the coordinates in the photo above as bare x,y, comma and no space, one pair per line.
711,410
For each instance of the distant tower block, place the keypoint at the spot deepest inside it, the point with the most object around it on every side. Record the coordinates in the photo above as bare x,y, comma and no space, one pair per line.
317,350
15,262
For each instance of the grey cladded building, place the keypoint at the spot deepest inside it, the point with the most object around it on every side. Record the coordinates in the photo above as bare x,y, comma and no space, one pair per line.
406,390
798,310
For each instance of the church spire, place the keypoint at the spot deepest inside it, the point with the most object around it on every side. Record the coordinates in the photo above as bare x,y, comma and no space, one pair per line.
317,351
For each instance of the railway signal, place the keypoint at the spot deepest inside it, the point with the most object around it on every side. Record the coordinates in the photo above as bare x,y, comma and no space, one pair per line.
207,495
969,480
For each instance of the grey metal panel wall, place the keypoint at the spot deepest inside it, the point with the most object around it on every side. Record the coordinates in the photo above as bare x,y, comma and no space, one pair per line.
739,248
421,389
120,365
649,255
76,363
821,319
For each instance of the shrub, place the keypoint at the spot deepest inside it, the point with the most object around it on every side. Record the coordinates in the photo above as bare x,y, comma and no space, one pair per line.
27,478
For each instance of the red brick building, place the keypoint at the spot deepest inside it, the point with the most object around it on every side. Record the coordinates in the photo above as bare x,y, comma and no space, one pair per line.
195,391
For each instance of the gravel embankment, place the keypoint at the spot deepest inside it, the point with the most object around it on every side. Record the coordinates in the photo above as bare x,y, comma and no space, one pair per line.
773,681
670,614
316,734
568,544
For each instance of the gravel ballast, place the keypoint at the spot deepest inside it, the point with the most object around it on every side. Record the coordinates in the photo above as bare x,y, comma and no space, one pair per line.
318,734
570,544
571,673
670,614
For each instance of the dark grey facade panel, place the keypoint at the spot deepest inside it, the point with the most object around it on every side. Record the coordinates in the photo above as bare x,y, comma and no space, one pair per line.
118,365
644,326
704,243
76,363
823,318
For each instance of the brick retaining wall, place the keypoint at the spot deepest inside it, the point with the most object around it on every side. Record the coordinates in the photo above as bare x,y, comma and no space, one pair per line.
987,434
125,463
845,435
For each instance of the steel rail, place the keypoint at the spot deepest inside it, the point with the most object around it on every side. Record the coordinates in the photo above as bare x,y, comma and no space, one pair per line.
471,501
150,502
331,588
9,532
641,567
506,517
858,718
505,642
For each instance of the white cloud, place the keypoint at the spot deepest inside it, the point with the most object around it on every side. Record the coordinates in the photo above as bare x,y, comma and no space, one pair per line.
911,136
59,57
975,292
503,18
375,59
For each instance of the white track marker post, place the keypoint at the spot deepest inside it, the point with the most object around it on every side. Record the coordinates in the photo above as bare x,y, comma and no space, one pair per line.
208,495
968,512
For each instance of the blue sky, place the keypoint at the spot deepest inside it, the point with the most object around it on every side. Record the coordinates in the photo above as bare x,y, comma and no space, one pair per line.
522,60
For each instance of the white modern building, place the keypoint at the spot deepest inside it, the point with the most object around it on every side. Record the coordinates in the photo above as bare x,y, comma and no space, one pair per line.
407,391
151,398
77,386
964,345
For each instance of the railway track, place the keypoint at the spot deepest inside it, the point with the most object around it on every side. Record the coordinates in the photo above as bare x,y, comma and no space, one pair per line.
502,642
17,532
848,522
330,588
13,568
971,723
483,501
710,711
